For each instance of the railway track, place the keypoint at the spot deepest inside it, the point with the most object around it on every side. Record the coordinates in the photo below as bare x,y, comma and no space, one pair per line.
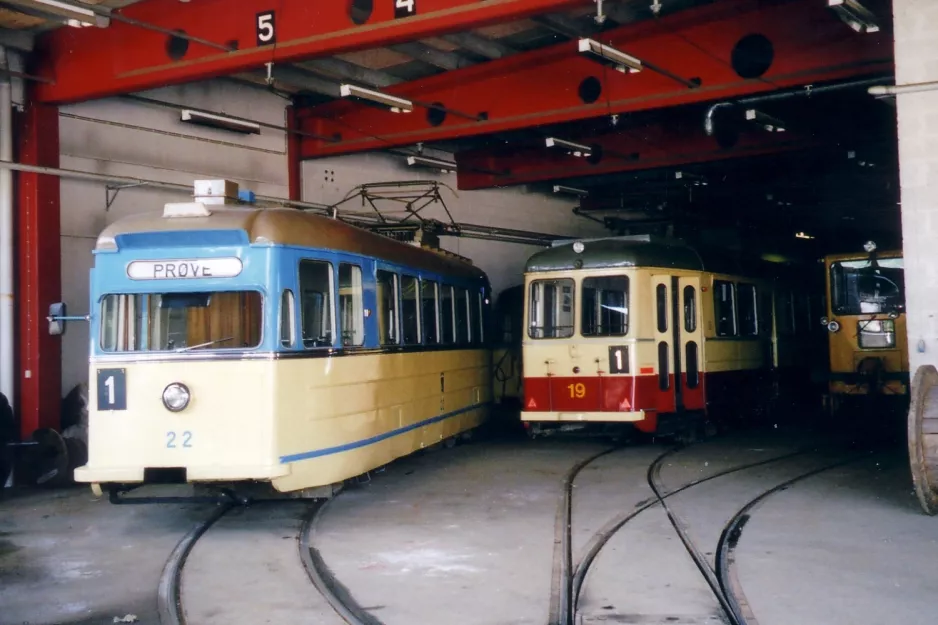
170,596
721,578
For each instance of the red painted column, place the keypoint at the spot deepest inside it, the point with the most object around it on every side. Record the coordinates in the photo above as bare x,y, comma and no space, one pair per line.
294,164
38,252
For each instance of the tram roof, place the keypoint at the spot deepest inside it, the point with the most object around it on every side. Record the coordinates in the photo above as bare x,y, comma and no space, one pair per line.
617,252
292,227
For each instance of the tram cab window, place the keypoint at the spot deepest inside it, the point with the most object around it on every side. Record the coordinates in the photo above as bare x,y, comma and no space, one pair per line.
724,307
463,333
866,286
351,308
429,313
410,311
551,309
447,325
287,315
316,303
387,307
181,321
605,306
748,309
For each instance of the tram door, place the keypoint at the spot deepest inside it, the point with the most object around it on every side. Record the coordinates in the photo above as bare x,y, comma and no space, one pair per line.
678,343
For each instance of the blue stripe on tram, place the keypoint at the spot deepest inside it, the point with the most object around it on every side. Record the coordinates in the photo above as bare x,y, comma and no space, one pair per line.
328,451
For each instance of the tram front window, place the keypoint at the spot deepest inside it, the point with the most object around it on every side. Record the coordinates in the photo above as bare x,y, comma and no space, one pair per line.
551,309
605,306
181,321
859,287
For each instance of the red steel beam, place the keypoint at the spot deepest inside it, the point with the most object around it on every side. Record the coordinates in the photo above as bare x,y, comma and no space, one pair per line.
89,63
40,277
809,44
665,144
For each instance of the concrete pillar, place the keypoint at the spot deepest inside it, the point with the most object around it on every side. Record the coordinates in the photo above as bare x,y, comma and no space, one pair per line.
916,36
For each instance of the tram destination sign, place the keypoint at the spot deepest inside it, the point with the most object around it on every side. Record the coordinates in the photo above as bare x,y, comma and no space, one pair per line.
184,269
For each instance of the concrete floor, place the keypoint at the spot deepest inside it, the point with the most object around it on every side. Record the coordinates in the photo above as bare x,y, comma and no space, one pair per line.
465,536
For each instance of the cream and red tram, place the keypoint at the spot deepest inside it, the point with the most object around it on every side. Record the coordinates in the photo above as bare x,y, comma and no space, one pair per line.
645,331
238,344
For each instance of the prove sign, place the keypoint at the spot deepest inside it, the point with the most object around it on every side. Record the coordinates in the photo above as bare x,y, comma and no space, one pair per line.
184,269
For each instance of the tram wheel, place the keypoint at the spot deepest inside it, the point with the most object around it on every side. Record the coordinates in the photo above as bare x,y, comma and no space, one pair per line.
923,437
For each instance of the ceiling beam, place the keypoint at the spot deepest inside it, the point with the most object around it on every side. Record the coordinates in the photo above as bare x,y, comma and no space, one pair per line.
556,84
566,26
677,140
438,58
350,72
89,63
483,46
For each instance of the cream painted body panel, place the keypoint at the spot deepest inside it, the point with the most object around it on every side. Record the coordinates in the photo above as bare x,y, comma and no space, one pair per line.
297,422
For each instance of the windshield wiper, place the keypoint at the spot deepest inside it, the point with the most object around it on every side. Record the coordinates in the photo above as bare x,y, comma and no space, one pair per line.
206,344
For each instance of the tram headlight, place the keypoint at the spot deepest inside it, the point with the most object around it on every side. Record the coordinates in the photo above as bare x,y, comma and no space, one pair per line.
176,397
833,327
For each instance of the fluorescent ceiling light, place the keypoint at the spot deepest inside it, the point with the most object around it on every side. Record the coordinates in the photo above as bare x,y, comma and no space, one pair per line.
394,104
73,14
577,149
855,15
220,121
802,235
558,188
434,163
771,124
608,55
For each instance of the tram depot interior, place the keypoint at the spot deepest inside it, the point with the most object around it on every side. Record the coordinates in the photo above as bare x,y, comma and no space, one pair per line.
469,311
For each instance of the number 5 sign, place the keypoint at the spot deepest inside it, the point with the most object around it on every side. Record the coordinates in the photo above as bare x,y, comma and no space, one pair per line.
405,8
266,28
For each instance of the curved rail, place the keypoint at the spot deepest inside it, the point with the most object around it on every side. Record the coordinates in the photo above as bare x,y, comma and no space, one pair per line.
561,599
600,538
169,597
699,560
726,573
322,578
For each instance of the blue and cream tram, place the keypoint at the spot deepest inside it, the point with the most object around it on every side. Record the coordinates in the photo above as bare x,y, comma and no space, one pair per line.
233,343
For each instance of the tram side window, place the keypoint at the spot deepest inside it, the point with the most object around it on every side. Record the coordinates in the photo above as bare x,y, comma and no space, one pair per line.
316,303
387,307
551,309
351,308
784,313
748,310
287,313
446,315
480,319
410,311
724,307
430,312
605,306
690,309
462,317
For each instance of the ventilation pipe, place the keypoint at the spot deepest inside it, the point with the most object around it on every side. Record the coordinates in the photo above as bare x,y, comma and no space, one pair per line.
7,376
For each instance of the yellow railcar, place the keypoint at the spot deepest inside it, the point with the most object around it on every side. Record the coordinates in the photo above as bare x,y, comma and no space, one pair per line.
865,319
235,344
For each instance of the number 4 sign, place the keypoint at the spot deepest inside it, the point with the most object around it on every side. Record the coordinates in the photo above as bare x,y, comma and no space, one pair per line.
405,8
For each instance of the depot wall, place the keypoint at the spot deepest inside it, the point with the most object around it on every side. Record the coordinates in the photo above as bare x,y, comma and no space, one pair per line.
126,138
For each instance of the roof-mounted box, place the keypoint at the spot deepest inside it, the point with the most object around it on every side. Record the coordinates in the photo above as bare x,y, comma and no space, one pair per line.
216,191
